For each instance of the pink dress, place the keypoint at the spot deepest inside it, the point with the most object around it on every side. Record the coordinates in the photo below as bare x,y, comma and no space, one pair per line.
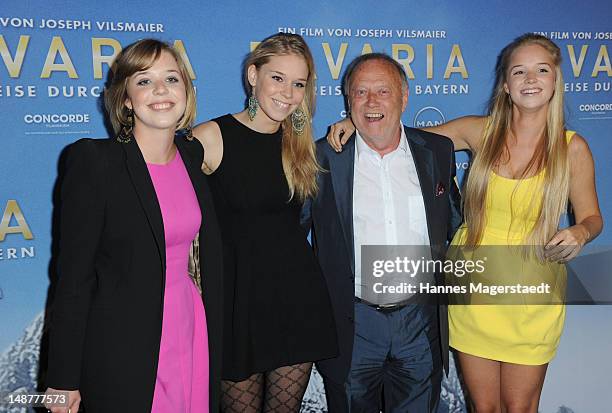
181,385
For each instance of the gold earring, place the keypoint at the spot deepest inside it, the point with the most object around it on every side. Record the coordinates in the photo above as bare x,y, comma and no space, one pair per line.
127,130
298,121
189,133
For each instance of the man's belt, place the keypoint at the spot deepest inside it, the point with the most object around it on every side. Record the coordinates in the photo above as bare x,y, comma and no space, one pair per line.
384,308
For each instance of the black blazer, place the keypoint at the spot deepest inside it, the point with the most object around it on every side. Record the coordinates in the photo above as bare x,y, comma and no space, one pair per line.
107,311
330,216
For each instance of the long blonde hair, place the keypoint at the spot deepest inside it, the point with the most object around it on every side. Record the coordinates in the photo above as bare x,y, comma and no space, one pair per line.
298,150
551,156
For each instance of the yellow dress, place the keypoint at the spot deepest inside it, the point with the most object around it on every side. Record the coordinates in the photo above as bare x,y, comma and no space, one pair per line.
519,333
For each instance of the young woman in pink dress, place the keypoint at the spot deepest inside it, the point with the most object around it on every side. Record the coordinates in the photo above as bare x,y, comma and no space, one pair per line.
129,328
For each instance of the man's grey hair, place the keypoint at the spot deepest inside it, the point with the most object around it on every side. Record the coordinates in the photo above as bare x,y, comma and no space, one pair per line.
358,61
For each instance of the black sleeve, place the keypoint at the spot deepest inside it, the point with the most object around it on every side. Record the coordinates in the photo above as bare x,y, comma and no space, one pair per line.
454,198
306,213
82,206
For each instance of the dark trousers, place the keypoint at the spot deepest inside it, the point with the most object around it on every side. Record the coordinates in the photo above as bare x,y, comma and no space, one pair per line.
396,363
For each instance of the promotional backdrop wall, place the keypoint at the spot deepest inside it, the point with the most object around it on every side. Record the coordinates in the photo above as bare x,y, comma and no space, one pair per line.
56,56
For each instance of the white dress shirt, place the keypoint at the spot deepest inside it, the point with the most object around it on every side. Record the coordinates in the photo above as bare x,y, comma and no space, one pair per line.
388,207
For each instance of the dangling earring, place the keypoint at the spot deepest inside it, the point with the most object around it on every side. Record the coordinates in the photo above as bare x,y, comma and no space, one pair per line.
188,133
253,105
298,121
127,130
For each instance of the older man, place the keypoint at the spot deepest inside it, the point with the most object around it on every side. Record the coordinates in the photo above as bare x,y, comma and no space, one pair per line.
391,185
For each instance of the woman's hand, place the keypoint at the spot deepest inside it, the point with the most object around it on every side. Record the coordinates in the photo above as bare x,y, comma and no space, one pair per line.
339,134
74,400
567,243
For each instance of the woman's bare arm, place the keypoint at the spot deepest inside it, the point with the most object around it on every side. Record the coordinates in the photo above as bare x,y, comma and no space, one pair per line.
465,132
567,243
209,135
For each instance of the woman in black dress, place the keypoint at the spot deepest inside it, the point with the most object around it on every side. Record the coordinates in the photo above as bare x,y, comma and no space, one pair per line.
262,164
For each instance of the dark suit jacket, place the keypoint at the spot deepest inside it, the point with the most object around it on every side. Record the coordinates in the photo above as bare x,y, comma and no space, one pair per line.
107,310
331,216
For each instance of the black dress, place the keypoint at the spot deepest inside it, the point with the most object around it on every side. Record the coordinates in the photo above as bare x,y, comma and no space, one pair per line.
277,307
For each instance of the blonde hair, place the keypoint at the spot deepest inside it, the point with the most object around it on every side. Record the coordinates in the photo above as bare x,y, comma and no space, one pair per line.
298,150
137,57
551,156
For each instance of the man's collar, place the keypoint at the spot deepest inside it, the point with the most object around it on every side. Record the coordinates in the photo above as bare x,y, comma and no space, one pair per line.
362,147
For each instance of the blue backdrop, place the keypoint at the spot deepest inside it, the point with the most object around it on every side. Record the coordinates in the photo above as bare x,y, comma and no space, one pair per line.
56,55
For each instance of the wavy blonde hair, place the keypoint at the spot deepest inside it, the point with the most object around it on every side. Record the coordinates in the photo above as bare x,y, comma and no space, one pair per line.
551,156
137,57
298,150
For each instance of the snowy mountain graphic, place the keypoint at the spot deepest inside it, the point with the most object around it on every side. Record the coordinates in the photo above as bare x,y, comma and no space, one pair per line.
451,396
19,364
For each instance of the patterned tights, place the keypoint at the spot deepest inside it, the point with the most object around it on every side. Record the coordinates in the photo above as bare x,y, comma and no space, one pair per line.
279,391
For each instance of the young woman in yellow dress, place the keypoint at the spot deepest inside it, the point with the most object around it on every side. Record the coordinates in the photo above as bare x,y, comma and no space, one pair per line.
525,167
